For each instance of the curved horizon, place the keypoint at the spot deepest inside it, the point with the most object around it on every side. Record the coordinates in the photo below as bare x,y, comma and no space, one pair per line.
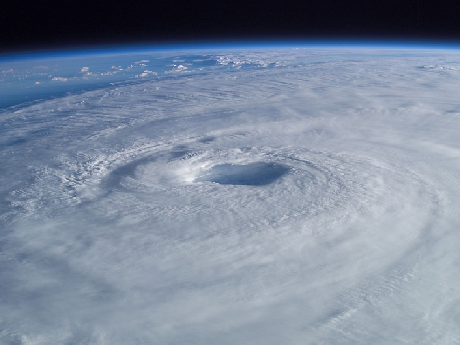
202,44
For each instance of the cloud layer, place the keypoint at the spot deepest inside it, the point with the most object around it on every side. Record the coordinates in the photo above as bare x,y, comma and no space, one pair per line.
117,227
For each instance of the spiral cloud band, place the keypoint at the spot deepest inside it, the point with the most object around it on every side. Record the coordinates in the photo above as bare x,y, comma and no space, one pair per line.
312,199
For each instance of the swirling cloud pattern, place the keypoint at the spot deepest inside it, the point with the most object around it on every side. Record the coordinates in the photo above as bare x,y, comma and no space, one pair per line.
294,202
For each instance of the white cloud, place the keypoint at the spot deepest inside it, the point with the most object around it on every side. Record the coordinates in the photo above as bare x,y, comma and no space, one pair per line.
59,79
177,69
146,73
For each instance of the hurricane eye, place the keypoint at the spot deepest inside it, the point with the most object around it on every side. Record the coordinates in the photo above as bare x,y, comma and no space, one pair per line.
253,174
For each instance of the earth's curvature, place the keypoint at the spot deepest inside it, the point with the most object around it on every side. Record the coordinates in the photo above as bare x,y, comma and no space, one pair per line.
265,195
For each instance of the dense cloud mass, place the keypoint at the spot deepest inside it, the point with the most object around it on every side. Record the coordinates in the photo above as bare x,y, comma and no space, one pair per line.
310,199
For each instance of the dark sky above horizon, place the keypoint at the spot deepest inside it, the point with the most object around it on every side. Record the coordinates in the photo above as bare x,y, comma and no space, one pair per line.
51,24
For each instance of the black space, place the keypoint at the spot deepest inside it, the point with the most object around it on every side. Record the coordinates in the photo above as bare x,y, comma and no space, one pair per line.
52,24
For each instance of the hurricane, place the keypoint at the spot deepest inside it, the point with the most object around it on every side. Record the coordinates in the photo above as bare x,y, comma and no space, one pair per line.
277,195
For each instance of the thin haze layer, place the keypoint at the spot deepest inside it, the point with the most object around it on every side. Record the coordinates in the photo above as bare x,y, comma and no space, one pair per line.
118,229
